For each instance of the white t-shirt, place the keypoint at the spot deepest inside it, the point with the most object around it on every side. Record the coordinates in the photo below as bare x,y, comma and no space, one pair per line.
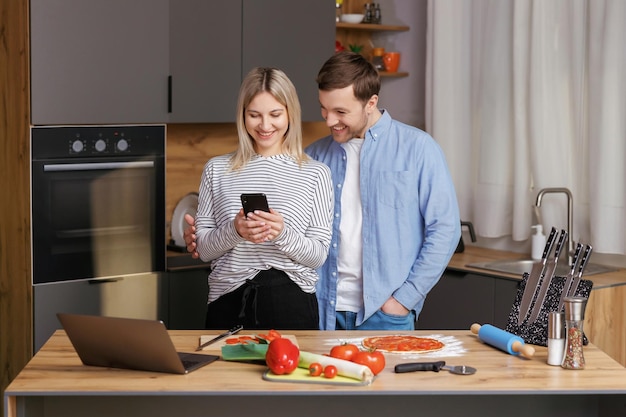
350,259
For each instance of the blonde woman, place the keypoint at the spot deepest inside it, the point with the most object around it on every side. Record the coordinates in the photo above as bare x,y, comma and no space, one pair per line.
263,264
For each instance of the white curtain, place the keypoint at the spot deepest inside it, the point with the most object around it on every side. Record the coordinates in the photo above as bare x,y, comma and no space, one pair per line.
529,94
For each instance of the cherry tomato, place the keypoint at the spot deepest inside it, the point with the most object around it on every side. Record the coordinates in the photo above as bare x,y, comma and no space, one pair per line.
374,360
315,369
330,371
344,351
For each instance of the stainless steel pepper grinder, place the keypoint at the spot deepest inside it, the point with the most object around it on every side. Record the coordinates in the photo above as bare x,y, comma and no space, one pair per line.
573,357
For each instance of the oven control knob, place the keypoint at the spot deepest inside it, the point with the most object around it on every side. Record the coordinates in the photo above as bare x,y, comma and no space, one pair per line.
77,146
122,145
101,145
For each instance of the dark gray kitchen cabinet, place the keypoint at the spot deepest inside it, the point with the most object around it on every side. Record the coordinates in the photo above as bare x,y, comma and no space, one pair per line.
460,299
205,60
99,61
141,296
295,36
213,45
188,295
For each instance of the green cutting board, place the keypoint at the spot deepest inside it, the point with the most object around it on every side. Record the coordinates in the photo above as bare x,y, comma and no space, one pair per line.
244,352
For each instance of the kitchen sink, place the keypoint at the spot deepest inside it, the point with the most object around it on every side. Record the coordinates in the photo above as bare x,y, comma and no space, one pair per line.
519,266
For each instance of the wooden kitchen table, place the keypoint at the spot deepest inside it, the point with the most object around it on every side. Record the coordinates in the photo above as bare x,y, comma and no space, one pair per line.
55,383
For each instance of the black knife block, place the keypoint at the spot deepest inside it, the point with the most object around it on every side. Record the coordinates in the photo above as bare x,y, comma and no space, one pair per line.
537,333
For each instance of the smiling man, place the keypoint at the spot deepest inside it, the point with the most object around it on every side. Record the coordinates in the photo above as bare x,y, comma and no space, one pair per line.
396,222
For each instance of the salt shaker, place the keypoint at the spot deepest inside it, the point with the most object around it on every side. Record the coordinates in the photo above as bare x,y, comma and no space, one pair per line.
556,338
573,357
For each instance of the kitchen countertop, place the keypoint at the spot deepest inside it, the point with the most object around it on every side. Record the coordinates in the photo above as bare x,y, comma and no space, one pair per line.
183,261
55,381
475,254
179,261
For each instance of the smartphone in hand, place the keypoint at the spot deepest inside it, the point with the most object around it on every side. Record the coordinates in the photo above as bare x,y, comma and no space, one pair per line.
256,201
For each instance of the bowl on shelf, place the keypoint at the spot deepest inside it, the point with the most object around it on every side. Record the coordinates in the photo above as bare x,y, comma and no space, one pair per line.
352,18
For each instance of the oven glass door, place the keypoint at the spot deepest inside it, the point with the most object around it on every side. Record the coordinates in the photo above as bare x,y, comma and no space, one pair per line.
97,219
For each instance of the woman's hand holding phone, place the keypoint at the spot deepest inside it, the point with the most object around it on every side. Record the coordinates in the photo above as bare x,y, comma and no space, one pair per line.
259,226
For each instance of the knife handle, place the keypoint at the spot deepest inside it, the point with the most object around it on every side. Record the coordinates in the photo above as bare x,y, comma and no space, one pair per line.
579,248
559,245
419,366
584,260
549,243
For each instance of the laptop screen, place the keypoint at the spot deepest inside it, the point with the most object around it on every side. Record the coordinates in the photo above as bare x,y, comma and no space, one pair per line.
127,343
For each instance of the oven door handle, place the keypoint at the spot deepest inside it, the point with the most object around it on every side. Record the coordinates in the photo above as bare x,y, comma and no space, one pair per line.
97,166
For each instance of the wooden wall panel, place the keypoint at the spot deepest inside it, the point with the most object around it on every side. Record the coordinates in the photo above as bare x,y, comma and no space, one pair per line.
15,288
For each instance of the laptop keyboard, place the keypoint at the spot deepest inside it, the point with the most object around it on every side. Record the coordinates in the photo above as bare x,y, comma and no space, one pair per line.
191,360
189,364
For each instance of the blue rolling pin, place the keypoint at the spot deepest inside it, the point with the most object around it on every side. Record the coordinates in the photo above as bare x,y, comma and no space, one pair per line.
503,340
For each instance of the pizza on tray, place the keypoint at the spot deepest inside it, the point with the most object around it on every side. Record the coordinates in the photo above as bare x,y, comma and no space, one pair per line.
403,344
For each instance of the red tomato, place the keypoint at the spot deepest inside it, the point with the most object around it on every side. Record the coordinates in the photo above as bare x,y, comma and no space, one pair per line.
282,356
344,351
330,371
374,360
315,369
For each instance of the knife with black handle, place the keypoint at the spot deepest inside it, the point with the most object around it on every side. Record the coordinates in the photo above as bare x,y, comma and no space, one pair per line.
533,278
570,276
581,268
231,332
547,278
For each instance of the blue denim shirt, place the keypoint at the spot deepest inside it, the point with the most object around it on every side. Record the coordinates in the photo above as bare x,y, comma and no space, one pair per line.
411,223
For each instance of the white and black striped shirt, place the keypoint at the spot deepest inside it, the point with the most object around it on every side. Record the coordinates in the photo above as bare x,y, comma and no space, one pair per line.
302,194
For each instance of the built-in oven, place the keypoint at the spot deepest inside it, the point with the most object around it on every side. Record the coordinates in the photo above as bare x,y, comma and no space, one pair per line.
98,201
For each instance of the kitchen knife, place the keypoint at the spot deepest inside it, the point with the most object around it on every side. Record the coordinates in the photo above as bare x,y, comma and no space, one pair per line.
220,337
570,276
533,278
581,268
433,366
547,278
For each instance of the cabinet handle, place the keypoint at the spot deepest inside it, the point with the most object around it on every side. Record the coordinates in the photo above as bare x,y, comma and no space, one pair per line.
169,93
104,281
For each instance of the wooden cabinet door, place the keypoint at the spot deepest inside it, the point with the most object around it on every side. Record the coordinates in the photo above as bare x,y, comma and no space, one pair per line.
99,61
205,60
297,37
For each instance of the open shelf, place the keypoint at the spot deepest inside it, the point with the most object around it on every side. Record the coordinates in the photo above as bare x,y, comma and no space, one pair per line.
371,27
398,74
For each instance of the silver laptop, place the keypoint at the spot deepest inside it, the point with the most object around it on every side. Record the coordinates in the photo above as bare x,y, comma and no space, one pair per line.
115,342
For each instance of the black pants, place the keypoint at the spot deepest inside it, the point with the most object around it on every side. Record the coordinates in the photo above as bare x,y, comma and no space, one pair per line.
268,301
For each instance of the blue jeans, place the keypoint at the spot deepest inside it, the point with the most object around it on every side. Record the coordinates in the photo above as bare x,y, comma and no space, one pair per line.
346,320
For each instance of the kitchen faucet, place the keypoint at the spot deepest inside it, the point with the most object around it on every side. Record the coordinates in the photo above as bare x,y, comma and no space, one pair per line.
570,214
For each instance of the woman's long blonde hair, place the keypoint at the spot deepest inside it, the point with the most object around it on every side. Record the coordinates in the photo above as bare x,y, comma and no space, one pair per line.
275,82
